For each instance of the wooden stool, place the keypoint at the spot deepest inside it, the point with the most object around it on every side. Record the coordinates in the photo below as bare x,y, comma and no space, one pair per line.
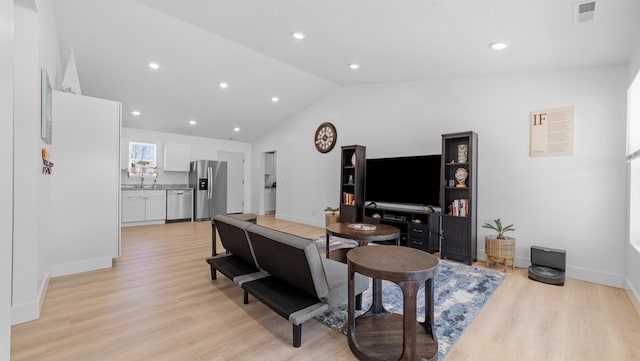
500,251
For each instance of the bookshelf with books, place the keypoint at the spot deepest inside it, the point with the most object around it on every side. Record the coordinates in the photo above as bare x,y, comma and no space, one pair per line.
352,168
458,194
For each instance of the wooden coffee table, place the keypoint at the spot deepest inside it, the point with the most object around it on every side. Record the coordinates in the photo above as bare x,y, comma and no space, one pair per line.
383,232
378,334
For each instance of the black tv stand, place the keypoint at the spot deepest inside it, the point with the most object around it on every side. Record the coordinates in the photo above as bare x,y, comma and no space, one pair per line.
418,225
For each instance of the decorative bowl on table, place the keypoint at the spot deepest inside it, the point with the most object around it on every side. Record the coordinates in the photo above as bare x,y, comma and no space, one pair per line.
362,226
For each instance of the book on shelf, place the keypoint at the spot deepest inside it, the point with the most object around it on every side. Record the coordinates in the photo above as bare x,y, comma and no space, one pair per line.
348,198
460,207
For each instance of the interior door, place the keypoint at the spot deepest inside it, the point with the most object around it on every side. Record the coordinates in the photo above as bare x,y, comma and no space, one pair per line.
235,180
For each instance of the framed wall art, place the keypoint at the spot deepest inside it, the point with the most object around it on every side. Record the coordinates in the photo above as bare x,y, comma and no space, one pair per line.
45,106
552,132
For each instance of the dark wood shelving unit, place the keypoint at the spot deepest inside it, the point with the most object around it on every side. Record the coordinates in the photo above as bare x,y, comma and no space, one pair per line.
458,230
352,172
418,226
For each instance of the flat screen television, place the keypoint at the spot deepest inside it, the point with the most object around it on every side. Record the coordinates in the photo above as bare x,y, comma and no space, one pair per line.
413,180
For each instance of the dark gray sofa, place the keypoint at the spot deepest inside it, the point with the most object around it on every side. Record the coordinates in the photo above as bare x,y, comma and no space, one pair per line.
284,271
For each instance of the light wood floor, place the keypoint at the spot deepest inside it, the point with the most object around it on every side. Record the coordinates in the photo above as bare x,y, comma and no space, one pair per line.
158,303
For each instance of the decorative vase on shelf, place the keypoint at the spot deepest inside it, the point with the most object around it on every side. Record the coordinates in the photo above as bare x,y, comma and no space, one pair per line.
461,177
462,153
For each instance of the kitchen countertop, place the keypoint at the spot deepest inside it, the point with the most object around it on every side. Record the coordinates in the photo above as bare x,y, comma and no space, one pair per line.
150,187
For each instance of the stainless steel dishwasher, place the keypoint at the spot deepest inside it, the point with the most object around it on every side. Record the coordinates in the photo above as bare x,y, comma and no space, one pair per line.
179,205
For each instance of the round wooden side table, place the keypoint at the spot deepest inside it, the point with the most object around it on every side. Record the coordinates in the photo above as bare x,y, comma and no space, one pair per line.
378,334
383,232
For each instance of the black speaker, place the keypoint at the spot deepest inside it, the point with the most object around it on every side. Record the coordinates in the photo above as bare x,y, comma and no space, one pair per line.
548,265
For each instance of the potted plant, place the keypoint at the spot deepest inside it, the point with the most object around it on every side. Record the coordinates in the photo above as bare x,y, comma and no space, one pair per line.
500,248
331,215
498,227
143,164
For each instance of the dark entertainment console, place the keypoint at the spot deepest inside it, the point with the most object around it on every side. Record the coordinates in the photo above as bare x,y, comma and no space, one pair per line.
418,225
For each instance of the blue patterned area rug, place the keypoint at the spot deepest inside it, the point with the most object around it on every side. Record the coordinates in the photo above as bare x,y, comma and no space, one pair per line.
460,292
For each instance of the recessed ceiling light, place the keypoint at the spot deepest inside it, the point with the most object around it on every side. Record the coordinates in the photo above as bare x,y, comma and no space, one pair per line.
193,122
298,35
236,129
499,45
354,66
224,85
154,66
275,99
135,112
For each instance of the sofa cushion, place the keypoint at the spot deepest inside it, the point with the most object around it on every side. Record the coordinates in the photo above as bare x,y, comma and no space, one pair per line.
338,280
288,301
293,259
232,266
233,237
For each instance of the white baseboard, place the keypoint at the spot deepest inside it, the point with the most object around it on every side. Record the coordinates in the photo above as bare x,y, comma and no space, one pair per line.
43,289
145,223
595,276
579,273
634,297
25,312
520,262
63,269
311,222
30,311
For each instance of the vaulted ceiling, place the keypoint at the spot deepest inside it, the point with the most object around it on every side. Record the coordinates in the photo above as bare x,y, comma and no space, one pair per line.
248,44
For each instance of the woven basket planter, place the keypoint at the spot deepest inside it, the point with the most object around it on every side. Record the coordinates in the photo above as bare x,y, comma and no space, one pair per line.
500,250
331,218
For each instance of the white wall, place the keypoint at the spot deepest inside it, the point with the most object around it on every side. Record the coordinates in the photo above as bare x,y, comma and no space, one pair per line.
85,189
36,48
574,203
6,177
27,166
201,148
632,261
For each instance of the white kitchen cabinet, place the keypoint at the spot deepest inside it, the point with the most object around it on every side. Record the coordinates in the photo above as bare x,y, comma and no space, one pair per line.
269,200
177,157
155,207
132,209
144,206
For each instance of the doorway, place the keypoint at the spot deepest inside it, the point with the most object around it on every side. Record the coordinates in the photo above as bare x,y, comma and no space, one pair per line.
235,180
270,182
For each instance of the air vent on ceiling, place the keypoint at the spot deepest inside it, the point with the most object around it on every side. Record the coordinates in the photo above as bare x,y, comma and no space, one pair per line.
584,11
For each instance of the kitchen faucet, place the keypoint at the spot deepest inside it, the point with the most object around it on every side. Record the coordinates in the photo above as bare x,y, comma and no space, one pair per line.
141,180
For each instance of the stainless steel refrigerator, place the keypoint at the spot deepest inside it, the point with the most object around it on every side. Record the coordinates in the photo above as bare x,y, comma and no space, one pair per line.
208,178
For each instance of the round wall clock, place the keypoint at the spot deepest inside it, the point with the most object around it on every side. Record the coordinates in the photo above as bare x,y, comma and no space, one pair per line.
325,138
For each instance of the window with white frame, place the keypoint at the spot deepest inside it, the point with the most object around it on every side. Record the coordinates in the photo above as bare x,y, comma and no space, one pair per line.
142,154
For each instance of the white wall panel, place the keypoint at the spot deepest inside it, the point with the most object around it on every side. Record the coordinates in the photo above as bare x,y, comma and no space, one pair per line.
85,191
6,177
574,203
